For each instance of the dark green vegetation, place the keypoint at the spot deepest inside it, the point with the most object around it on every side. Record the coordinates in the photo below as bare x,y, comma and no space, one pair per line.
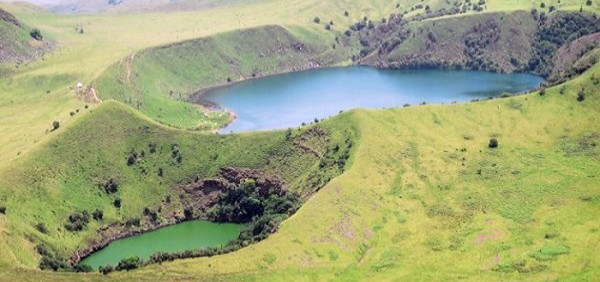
503,42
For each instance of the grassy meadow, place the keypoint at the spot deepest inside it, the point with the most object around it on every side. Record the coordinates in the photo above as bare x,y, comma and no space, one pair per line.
423,197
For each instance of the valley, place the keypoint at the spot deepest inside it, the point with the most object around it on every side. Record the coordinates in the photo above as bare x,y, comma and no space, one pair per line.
372,140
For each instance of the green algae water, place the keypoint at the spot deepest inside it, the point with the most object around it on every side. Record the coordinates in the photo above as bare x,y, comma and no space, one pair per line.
189,235
287,100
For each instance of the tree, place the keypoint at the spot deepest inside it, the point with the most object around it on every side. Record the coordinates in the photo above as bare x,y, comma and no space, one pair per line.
581,95
588,3
97,215
41,228
346,13
493,143
3,210
117,203
36,34
55,125
316,20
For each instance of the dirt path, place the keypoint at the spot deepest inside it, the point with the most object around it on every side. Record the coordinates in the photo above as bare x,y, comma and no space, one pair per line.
128,64
94,95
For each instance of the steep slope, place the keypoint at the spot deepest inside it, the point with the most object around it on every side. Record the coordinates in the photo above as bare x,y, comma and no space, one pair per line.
147,163
159,81
504,42
16,43
423,189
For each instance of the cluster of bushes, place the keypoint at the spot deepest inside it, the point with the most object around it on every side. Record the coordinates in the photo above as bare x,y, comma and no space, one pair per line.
111,186
243,203
77,221
36,34
52,261
176,153
133,156
333,156
553,33
478,39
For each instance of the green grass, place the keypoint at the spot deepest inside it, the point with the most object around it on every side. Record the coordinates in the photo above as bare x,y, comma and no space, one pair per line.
159,81
408,208
64,176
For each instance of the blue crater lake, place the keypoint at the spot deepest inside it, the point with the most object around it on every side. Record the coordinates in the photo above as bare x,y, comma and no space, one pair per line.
287,100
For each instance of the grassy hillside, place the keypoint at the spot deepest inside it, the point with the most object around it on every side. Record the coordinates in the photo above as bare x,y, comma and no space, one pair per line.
159,81
422,198
423,189
522,41
16,43
48,85
67,175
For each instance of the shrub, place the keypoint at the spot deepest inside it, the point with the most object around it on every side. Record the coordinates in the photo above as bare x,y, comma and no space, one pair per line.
316,20
77,221
562,90
152,147
129,264
41,249
55,125
117,203
581,95
348,14
133,222
36,34
3,210
106,269
132,158
493,143
41,227
50,263
83,268
160,172
543,5
188,213
110,186
97,215
328,27
542,91
588,3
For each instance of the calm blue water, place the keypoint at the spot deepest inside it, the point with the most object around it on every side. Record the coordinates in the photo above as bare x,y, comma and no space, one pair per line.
287,100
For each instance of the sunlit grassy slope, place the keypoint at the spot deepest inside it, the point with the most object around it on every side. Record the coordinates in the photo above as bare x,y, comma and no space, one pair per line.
43,91
425,198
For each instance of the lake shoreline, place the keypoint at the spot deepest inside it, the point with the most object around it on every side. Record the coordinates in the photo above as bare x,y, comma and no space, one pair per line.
499,81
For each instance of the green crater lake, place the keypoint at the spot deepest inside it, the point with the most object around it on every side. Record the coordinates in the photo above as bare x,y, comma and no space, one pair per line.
287,100
189,235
